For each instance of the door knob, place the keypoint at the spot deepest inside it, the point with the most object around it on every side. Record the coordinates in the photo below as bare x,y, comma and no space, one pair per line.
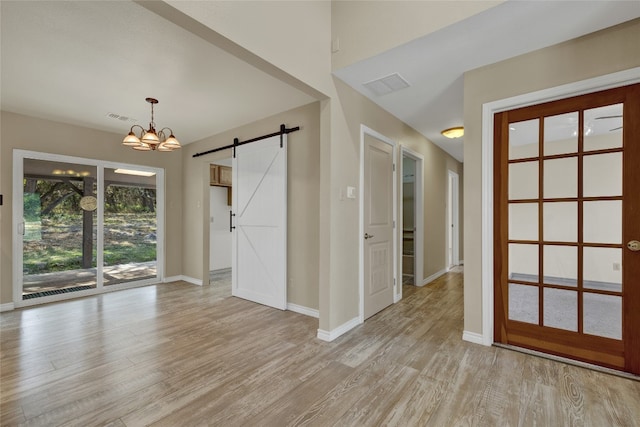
634,245
368,236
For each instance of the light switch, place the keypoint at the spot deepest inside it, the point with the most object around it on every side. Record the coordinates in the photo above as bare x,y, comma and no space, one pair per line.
351,192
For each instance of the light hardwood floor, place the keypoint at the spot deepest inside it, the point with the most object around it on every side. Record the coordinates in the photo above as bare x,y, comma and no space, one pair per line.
179,355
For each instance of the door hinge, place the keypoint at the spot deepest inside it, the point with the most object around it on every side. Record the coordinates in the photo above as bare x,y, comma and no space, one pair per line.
394,167
394,224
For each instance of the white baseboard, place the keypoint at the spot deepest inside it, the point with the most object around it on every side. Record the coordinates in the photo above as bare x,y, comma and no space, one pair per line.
433,277
340,330
184,279
474,338
303,310
6,307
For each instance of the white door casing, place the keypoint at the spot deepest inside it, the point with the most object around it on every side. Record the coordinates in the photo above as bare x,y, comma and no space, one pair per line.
378,223
260,221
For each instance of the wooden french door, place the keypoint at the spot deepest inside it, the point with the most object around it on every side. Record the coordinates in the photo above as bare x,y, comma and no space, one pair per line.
567,219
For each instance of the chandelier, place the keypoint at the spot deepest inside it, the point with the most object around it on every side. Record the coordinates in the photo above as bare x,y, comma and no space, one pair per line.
150,140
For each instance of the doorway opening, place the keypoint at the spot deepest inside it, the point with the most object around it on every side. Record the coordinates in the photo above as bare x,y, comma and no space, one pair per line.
220,235
408,220
412,207
453,253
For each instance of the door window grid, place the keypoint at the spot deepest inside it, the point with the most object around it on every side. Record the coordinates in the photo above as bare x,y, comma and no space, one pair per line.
549,284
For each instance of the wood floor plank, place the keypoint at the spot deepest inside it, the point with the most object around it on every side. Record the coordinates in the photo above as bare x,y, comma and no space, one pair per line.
11,414
329,408
417,404
178,354
539,405
289,406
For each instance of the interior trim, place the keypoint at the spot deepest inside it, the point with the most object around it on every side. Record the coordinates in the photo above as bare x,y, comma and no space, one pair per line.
340,330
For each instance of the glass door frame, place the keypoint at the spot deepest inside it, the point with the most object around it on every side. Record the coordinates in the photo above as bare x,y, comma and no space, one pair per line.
484,335
18,225
615,354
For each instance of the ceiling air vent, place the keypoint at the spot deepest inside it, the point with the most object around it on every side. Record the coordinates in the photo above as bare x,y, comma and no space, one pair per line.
121,118
387,84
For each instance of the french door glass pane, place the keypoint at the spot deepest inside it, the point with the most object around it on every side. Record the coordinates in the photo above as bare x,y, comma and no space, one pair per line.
603,127
603,221
59,241
523,180
523,139
560,222
560,265
603,175
560,308
603,269
561,178
523,303
523,221
129,226
602,315
523,262
561,134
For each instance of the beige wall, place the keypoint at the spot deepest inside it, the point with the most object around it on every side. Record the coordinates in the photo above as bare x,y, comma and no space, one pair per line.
355,109
600,53
367,28
303,186
29,133
292,35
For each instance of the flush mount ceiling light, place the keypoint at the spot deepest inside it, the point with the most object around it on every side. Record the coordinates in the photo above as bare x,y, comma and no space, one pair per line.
456,132
150,140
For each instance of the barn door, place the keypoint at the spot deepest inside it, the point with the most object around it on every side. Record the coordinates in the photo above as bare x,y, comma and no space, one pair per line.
259,216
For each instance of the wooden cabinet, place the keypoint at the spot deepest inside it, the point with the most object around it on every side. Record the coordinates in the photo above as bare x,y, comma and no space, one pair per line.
224,176
220,175
213,174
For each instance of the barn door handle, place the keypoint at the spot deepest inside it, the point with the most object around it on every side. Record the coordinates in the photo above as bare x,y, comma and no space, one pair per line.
231,227
368,236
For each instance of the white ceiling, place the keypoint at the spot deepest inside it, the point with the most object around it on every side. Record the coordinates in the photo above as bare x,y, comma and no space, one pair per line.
78,61
434,64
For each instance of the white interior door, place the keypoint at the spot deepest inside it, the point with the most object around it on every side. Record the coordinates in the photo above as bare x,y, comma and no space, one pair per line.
378,224
260,209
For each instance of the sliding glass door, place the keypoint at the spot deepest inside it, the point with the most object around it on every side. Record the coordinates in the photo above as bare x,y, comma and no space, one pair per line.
130,225
59,228
82,225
